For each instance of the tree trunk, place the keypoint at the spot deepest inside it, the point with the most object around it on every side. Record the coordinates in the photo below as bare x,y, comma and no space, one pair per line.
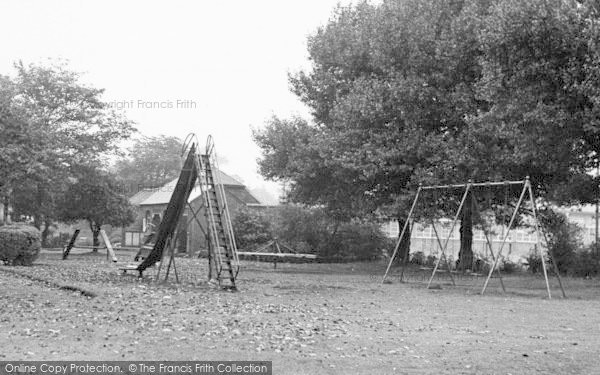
38,219
404,247
331,248
5,218
45,233
465,255
95,236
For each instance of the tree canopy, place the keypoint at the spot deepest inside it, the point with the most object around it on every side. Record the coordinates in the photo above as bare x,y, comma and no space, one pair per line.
97,197
442,91
150,162
51,123
427,91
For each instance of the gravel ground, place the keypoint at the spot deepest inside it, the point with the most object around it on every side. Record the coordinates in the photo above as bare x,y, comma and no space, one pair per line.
306,318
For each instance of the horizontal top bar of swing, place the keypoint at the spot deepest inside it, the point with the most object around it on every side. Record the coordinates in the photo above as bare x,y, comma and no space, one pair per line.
500,183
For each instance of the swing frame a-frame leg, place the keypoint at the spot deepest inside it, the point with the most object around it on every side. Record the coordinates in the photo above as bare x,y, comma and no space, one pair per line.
488,242
527,189
400,237
443,250
537,231
439,242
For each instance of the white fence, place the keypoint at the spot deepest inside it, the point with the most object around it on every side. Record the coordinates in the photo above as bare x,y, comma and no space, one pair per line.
519,244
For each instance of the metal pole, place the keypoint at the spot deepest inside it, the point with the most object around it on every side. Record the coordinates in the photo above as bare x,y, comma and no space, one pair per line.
402,234
437,264
487,240
444,255
499,255
534,207
537,238
476,184
597,199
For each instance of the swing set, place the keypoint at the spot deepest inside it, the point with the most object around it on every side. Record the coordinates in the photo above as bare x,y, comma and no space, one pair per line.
470,189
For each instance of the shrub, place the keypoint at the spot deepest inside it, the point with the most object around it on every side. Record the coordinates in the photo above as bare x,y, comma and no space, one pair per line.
533,262
418,258
430,261
481,264
19,244
309,230
251,228
508,266
295,225
354,241
583,263
586,263
564,238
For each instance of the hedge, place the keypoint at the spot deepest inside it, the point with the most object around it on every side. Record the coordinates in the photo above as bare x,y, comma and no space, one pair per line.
19,244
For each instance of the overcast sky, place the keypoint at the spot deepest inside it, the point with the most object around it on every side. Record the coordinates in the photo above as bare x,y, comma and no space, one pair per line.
225,62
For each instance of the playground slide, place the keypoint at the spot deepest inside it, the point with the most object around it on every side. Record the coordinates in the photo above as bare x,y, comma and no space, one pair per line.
175,208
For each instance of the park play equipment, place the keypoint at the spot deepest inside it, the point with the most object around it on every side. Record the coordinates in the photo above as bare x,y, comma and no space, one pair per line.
107,245
470,188
199,171
275,246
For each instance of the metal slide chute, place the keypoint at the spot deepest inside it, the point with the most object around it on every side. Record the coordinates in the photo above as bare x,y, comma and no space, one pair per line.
174,211
200,170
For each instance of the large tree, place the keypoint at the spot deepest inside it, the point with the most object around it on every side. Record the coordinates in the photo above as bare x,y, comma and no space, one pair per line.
386,89
13,160
95,196
61,123
537,62
424,91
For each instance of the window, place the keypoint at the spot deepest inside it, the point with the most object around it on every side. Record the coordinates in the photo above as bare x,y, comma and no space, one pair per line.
132,238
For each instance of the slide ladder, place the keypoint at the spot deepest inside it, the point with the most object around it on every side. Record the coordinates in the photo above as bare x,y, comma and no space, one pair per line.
221,238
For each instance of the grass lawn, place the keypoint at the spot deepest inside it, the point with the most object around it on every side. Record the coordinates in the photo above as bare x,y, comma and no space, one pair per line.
306,318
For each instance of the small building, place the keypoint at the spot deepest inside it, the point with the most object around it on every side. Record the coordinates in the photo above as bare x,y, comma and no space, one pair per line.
150,205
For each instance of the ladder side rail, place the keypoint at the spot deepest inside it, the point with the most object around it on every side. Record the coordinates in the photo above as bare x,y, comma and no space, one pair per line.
210,217
227,226
226,220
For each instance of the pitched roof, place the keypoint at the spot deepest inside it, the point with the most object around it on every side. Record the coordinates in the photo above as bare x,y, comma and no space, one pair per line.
244,196
140,196
228,180
163,194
